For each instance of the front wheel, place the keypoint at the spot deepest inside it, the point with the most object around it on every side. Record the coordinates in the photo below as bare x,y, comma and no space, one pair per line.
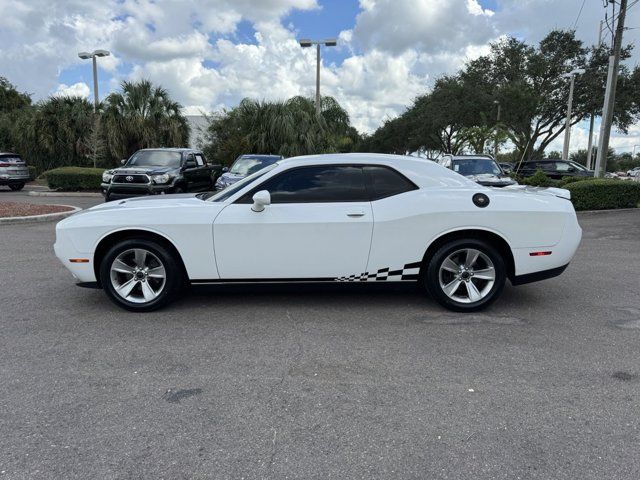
466,275
140,275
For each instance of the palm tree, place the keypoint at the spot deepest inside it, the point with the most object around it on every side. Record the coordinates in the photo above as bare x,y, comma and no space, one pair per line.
142,116
288,128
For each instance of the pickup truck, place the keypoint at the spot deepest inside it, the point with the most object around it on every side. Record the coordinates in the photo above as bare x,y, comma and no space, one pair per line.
154,171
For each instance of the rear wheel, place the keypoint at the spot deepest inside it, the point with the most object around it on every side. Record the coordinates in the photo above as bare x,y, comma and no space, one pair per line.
16,186
140,275
466,275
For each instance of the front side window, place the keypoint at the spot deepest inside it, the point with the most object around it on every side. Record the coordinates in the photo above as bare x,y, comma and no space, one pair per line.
319,184
385,182
200,160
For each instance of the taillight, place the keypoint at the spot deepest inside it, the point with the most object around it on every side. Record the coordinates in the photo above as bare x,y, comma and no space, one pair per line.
5,164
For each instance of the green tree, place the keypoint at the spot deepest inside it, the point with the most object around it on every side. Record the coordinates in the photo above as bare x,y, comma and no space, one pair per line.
142,115
528,83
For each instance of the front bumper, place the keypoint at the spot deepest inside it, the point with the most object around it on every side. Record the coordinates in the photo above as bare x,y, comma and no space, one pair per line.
115,191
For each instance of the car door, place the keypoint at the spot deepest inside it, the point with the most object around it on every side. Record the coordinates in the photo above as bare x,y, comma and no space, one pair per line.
203,172
190,172
317,227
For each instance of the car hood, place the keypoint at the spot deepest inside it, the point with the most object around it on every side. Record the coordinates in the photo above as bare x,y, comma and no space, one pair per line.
490,180
151,170
152,201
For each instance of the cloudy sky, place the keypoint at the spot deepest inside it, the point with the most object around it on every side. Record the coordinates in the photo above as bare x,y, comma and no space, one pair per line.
211,53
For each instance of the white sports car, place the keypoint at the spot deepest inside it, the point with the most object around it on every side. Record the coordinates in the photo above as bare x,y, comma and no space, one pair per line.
326,218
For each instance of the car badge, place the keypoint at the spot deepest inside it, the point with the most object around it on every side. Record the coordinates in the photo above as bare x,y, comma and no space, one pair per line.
129,178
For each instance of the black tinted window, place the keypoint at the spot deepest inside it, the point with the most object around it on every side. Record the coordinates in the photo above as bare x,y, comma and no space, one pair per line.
320,184
384,182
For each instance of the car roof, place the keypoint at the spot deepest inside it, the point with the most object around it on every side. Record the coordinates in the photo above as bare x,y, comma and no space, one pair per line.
260,155
421,171
6,154
170,149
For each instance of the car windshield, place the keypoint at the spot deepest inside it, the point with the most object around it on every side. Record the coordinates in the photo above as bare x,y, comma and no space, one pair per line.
577,166
247,165
236,187
476,166
155,158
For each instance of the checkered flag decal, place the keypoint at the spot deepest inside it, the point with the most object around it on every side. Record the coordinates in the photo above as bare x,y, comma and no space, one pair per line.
408,272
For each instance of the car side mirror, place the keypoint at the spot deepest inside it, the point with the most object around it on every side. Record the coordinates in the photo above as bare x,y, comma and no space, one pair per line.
571,169
225,169
123,161
260,199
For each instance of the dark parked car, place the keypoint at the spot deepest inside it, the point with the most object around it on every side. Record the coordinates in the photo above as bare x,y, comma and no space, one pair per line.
506,167
482,169
556,169
244,166
13,171
155,171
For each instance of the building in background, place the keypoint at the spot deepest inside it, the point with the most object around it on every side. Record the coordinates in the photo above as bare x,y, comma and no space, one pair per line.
198,125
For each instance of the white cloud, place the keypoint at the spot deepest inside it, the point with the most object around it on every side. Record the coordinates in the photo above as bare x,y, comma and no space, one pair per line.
79,89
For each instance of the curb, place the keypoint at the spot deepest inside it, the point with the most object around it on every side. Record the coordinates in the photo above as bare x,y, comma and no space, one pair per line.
609,210
35,193
47,217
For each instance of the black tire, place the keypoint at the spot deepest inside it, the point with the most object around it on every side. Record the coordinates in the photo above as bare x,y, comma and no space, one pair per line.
432,277
178,190
16,186
107,197
174,277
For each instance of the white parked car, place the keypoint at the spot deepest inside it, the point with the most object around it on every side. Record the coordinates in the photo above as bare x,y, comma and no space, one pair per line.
634,172
326,218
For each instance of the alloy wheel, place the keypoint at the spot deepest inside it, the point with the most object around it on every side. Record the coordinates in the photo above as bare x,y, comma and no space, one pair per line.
467,275
138,275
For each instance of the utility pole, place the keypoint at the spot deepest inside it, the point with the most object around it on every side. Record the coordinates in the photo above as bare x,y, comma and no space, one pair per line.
589,162
495,138
610,94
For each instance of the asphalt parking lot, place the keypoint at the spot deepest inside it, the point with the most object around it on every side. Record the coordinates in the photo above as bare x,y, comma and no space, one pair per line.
345,381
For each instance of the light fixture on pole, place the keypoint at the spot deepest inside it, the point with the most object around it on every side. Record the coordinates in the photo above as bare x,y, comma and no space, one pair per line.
93,55
567,127
306,43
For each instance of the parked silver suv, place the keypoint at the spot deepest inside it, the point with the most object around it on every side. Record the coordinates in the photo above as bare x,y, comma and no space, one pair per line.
13,171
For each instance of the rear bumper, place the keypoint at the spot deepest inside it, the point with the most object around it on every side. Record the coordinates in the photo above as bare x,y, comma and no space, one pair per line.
13,179
537,276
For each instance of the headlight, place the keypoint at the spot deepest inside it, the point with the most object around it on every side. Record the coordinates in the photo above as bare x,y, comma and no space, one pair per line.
107,176
164,178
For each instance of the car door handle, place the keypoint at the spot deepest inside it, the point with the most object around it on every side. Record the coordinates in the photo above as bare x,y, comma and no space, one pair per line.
355,214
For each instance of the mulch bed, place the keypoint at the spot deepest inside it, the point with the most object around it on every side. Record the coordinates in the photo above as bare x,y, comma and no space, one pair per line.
16,209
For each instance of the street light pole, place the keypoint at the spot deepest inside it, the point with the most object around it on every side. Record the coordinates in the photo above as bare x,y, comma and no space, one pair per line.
93,56
567,126
305,43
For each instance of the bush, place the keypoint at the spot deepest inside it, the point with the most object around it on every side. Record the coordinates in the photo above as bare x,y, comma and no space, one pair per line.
74,178
32,172
602,194
539,179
